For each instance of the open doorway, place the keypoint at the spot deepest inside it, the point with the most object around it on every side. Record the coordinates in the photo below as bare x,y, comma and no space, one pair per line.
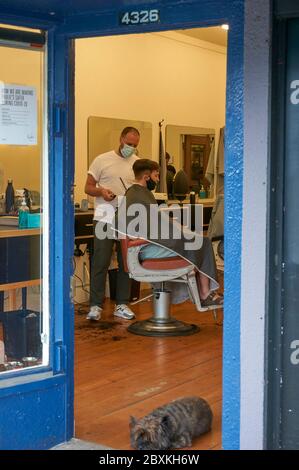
178,76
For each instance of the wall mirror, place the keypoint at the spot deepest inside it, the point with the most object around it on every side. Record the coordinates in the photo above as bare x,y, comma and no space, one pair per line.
192,149
104,133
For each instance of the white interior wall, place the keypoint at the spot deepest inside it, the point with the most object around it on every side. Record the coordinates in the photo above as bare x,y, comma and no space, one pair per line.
147,77
22,162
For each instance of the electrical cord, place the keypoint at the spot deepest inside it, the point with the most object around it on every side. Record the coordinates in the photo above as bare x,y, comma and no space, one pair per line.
78,277
83,309
82,285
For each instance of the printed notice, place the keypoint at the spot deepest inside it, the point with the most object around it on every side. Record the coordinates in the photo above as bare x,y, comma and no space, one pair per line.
18,115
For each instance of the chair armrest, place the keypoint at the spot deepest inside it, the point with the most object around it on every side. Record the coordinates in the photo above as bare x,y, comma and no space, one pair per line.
137,242
131,247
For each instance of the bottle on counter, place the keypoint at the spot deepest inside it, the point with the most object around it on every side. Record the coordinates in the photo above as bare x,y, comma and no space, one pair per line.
27,197
192,197
9,198
202,192
2,204
23,214
2,352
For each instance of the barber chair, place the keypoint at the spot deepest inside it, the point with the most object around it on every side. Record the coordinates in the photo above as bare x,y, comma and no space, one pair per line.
174,269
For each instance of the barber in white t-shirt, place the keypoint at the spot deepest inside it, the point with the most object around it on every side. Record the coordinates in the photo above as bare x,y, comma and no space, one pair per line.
109,175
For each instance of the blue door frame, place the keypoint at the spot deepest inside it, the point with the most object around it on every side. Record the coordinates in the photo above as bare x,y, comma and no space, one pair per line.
43,401
36,407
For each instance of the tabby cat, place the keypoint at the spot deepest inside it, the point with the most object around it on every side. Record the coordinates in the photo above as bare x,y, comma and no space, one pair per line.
171,426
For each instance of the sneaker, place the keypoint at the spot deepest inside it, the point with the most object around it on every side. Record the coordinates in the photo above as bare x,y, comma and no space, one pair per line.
94,313
123,311
213,300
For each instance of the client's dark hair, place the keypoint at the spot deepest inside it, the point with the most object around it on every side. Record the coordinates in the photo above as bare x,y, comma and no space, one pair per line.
126,131
143,165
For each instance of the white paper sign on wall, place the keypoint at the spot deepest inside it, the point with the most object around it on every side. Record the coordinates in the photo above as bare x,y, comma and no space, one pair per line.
18,115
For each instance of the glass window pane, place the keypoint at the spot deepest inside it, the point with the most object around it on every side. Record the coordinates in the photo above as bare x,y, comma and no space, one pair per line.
22,124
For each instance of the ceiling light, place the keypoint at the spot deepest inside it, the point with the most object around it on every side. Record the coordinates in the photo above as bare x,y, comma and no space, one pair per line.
225,26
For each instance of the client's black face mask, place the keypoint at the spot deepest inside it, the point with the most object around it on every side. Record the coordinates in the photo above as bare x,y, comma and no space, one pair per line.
151,184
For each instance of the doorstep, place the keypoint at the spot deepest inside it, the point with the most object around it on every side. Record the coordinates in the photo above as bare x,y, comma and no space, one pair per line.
78,444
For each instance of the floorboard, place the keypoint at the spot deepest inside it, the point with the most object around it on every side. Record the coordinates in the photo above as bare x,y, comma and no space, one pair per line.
118,374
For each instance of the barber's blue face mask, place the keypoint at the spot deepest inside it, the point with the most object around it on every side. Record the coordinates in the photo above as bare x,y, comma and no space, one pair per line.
127,151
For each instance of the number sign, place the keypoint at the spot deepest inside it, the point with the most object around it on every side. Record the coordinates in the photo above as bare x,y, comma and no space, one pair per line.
139,17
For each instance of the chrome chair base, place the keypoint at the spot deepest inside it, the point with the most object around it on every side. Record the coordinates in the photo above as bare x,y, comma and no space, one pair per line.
154,327
162,323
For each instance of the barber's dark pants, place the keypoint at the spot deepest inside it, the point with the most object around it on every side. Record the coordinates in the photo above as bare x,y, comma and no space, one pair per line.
102,251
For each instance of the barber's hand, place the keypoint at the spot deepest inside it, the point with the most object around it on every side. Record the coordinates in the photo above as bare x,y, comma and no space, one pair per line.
107,194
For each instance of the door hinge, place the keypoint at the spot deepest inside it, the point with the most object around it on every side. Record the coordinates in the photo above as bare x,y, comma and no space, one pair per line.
59,119
59,357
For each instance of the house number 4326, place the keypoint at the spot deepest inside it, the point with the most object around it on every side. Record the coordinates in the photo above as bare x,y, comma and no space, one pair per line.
139,17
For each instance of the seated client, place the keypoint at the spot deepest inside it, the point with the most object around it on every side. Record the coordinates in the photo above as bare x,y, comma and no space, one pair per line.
200,252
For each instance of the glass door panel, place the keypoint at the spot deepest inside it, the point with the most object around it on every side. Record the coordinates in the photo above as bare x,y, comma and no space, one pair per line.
23,203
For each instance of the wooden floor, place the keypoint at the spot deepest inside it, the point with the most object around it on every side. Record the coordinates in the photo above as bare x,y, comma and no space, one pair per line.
118,374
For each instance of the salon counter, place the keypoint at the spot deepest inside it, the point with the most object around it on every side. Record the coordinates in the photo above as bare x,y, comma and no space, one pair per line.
7,231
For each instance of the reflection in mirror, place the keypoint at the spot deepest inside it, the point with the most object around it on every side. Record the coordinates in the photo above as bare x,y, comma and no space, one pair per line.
192,149
104,133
